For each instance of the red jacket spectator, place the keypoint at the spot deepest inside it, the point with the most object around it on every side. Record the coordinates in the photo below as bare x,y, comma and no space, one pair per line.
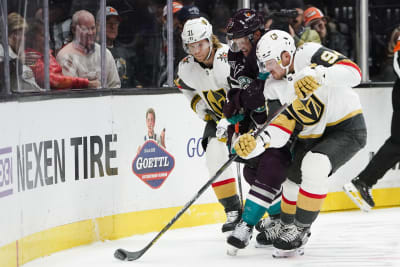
57,79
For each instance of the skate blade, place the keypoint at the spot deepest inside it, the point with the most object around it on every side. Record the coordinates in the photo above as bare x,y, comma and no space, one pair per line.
258,245
352,192
231,250
279,253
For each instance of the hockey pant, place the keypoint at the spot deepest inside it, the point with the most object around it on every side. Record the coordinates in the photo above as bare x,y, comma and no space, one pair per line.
306,189
265,184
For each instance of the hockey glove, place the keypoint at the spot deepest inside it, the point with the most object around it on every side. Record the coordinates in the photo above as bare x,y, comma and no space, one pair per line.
222,130
247,147
305,86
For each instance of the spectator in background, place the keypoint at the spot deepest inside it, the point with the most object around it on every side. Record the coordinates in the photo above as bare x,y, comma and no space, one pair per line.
124,59
82,56
387,74
60,23
34,52
188,12
329,33
21,76
221,15
294,12
179,53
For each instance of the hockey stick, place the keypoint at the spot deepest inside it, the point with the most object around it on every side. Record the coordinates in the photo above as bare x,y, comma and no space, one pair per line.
238,173
125,255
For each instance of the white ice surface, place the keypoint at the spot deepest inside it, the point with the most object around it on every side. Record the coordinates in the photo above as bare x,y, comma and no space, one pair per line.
338,239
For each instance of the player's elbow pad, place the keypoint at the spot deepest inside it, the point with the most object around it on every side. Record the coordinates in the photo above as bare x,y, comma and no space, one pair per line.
342,75
279,138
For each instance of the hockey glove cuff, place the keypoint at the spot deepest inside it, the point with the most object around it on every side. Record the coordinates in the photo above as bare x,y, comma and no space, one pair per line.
222,130
247,147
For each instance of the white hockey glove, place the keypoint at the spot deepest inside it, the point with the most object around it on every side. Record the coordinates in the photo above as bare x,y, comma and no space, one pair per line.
222,130
247,147
309,80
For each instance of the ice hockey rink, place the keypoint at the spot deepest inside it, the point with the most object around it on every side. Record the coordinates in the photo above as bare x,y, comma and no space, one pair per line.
351,238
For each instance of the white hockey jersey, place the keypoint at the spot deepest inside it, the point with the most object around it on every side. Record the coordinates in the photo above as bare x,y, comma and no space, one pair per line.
333,102
206,88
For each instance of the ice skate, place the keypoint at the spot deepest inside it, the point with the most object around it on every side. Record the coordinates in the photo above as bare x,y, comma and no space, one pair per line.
269,235
232,219
291,242
278,253
360,194
264,223
239,238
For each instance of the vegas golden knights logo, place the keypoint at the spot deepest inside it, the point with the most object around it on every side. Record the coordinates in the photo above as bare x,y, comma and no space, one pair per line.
215,99
307,112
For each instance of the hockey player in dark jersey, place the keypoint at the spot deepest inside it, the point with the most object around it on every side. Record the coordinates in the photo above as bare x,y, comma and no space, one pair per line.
246,108
318,83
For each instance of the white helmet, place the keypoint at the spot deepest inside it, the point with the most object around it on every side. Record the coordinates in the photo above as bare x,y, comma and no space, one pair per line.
271,46
196,30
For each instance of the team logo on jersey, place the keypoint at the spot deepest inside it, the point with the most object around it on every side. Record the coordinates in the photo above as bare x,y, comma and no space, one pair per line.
153,164
215,99
185,60
244,81
223,57
307,112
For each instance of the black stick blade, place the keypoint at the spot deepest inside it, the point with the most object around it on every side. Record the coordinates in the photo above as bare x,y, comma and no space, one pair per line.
120,254
125,255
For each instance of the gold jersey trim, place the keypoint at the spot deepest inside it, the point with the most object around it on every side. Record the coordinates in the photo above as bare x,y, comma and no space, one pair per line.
348,116
194,102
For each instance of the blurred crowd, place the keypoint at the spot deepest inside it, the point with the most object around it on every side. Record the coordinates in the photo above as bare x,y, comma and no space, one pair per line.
136,38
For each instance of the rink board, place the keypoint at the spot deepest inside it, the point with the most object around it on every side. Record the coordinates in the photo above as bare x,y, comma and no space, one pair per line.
69,170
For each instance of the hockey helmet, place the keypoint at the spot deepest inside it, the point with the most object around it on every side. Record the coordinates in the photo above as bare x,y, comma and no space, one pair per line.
272,45
243,23
196,30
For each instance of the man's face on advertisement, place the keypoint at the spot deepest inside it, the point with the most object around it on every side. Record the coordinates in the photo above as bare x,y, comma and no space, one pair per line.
150,121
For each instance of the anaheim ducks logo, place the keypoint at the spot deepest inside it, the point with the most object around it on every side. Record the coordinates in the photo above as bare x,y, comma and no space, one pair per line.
307,112
215,99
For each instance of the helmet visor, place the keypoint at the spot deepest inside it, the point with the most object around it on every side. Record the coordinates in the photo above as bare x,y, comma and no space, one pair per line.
236,45
268,66
194,48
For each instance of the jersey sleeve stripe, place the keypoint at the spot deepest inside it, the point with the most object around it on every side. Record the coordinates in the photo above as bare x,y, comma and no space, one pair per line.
350,64
227,181
288,201
286,130
194,102
311,195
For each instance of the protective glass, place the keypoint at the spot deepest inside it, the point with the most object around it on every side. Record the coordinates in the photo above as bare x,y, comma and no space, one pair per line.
236,45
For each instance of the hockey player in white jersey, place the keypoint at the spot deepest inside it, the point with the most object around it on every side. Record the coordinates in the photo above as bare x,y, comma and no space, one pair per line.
318,83
202,78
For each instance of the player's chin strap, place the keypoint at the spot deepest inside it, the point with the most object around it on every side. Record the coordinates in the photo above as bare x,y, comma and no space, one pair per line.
288,66
211,48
